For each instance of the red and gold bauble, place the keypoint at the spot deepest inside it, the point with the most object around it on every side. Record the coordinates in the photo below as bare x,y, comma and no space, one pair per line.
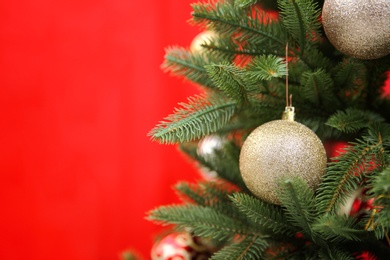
181,246
357,204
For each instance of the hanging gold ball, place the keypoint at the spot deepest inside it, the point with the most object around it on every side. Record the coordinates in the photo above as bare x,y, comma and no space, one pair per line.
358,28
204,37
278,149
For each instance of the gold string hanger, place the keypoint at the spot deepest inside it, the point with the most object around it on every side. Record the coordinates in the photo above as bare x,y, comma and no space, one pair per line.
289,111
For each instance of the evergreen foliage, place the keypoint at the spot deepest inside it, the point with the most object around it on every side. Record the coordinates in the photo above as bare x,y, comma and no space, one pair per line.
300,18
242,71
224,162
269,217
200,116
248,248
229,79
352,119
379,220
182,62
366,156
265,68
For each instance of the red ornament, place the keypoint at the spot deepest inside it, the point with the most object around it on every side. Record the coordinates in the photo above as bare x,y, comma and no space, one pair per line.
181,246
361,206
335,148
386,87
358,204
365,255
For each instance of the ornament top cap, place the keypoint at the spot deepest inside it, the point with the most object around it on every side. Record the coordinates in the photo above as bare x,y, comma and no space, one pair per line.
289,113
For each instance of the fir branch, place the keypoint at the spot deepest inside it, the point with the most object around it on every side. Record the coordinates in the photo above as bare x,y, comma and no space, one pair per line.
202,221
244,3
317,87
229,79
210,194
252,116
343,177
222,48
265,104
301,19
349,73
314,59
219,192
228,19
249,248
265,68
338,228
317,59
350,77
381,187
317,124
201,116
334,253
298,199
192,193
255,32
224,162
269,217
227,167
352,120
181,62
252,48
296,26
380,224
381,132
379,221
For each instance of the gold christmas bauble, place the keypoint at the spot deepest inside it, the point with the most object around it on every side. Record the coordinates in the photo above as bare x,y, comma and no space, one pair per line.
358,28
281,149
204,37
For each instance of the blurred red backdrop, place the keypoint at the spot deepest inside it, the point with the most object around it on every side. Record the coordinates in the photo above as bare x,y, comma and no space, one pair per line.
81,86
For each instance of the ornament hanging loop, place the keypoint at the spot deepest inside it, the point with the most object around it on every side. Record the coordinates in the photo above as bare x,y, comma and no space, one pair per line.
289,111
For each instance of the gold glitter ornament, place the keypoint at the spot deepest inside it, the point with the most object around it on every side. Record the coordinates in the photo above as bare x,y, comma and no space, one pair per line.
358,28
204,37
281,149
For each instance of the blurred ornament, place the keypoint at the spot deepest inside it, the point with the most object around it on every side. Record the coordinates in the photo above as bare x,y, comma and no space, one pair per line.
365,255
281,149
202,38
335,148
208,147
357,204
278,250
386,87
358,28
181,246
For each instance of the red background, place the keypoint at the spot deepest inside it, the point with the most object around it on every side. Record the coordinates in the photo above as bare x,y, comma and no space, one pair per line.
80,88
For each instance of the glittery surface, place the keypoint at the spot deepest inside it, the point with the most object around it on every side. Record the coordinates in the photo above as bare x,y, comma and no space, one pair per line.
278,149
358,28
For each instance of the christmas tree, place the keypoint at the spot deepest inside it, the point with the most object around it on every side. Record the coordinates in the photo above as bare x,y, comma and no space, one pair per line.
270,190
